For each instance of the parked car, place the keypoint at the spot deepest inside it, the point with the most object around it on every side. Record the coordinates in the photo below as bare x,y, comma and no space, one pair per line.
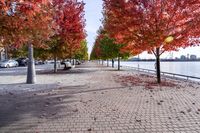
39,62
67,65
22,61
9,63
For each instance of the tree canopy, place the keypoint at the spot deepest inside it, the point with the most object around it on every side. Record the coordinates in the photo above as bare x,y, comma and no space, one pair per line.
56,26
23,22
155,26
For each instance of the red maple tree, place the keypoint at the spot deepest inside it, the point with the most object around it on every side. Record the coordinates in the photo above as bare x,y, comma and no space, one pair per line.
24,22
115,22
154,26
70,22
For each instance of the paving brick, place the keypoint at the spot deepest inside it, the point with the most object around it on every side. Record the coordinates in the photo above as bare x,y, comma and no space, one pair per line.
99,106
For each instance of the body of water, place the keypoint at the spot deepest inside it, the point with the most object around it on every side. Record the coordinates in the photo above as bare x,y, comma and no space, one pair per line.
185,68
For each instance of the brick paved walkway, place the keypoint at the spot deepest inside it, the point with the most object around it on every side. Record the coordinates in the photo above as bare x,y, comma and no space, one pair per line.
97,103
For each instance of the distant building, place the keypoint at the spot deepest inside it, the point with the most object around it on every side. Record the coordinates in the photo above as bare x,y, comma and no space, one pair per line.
193,57
183,57
135,59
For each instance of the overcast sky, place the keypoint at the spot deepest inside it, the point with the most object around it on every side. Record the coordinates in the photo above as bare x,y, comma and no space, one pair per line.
93,9
93,14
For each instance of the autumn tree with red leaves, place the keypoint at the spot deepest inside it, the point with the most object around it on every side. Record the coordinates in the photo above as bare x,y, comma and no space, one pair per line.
116,21
106,48
114,31
68,27
154,26
70,21
25,22
57,26
111,41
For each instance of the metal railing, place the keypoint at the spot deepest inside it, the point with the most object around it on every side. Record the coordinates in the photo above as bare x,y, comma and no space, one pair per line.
168,74
174,75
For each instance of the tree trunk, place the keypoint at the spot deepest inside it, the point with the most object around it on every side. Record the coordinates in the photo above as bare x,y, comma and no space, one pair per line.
31,74
55,64
107,63
112,63
102,62
6,53
118,63
74,62
158,65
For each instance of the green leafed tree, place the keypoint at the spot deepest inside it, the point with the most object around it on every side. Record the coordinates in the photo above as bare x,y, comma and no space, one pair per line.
82,53
106,47
110,49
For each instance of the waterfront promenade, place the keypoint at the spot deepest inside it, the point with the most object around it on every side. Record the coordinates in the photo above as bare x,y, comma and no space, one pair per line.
97,99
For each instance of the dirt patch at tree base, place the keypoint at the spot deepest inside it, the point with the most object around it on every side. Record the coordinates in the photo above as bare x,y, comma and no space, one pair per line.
148,81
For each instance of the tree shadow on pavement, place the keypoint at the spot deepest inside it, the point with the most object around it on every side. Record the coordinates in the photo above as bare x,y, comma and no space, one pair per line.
27,110
31,108
61,71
